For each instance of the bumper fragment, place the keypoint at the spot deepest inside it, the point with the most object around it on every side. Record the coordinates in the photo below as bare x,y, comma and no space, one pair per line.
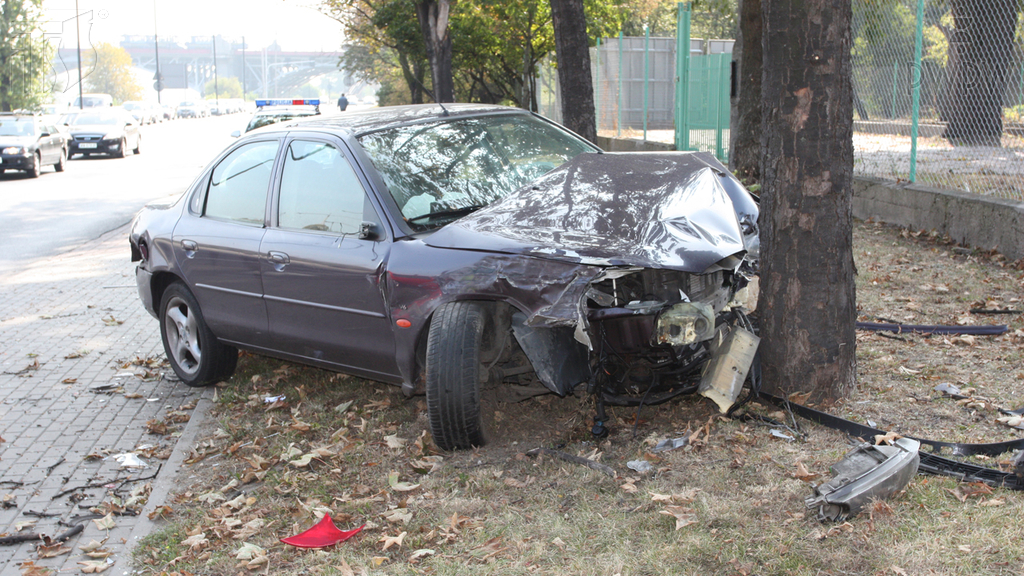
867,473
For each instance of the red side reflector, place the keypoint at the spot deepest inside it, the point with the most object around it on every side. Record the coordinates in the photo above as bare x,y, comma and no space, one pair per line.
403,323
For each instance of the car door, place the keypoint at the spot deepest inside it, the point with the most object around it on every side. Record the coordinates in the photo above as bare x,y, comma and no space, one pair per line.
216,244
323,282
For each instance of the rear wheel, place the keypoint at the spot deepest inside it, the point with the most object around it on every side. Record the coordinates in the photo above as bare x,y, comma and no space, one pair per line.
195,354
138,145
59,166
458,400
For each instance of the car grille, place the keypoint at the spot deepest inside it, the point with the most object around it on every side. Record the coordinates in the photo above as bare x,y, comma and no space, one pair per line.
89,138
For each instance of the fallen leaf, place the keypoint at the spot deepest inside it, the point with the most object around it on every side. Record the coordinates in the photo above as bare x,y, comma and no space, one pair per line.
92,545
249,551
94,566
400,486
19,526
398,516
898,570
390,541
302,461
55,549
629,486
993,502
803,474
345,569
196,541
684,516
558,542
211,497
394,442
421,553
377,560
29,568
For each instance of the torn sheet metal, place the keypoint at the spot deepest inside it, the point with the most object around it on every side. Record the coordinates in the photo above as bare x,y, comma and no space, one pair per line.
865,474
669,210
723,379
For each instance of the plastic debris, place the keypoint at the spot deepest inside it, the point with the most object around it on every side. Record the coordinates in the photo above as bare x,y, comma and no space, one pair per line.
671,444
272,399
130,460
949,389
782,435
641,466
322,535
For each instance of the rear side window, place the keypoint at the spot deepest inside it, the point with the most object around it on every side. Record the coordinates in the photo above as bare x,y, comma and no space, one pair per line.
238,187
320,191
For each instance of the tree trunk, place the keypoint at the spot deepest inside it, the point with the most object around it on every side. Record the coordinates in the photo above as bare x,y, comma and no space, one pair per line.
413,78
574,78
807,305
745,154
980,54
433,17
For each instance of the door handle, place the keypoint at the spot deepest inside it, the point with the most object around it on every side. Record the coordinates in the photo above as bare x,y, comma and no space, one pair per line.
189,245
278,257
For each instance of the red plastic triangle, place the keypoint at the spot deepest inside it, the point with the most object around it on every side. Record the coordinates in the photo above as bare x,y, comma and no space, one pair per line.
323,534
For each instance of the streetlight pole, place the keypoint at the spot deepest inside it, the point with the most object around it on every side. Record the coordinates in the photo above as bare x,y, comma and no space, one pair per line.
243,68
156,48
78,42
216,91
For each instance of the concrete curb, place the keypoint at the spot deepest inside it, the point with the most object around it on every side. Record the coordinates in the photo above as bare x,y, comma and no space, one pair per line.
165,481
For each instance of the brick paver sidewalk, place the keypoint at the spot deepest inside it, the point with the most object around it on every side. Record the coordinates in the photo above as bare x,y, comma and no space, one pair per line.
69,325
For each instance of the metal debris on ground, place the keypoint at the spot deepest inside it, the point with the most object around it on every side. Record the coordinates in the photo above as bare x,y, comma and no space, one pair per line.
670,444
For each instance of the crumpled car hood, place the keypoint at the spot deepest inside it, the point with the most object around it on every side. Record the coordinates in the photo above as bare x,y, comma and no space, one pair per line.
676,210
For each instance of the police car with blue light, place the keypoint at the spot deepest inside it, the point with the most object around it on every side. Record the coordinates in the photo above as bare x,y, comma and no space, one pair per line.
280,110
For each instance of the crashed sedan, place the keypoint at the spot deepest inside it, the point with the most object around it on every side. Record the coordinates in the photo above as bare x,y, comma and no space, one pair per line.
472,253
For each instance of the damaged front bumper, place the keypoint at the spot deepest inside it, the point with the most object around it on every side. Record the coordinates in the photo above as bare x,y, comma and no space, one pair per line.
865,474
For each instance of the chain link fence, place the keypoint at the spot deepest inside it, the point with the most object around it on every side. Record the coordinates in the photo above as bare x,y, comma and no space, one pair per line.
939,93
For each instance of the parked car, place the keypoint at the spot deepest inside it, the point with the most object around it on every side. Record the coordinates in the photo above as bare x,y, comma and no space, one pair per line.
28,143
169,112
111,131
93,101
193,109
273,111
467,252
143,112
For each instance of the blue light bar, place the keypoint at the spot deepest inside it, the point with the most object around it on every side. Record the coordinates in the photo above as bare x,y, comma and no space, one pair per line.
282,102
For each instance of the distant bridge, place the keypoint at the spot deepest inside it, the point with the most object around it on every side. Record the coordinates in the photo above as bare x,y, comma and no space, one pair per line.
270,72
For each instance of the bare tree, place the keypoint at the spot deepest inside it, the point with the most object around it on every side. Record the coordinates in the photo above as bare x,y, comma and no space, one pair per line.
573,52
808,303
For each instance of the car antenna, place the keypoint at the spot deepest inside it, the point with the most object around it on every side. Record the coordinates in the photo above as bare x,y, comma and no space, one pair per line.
445,110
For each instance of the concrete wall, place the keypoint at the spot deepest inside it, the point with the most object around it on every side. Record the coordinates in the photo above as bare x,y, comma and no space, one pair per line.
970,219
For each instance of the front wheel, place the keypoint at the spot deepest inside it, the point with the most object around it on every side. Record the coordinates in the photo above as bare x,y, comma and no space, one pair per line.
195,354
122,150
33,172
459,419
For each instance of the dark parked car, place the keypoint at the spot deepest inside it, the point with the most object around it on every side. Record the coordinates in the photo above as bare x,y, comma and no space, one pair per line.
28,144
111,131
473,253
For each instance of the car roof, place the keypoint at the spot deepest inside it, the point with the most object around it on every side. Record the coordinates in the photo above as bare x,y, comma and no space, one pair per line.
391,116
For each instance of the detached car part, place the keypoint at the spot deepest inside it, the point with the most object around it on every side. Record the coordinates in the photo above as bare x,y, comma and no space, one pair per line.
865,474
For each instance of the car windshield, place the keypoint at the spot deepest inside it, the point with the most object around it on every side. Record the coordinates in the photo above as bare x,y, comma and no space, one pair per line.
12,127
87,119
447,169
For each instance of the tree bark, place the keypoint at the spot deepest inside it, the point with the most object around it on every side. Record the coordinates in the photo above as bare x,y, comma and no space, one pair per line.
573,52
807,305
980,54
745,124
433,17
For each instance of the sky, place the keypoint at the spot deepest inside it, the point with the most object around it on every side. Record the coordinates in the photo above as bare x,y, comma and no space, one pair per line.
295,24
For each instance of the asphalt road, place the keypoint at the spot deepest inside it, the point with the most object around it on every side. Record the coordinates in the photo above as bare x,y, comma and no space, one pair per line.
58,211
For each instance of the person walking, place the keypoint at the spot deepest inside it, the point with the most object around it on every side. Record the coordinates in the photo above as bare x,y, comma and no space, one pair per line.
342,102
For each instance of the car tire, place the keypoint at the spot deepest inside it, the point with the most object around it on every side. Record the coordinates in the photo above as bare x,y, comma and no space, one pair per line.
122,150
195,354
59,166
33,172
456,401
138,146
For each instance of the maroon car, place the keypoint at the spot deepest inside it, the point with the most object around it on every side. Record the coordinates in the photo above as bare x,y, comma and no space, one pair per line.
472,253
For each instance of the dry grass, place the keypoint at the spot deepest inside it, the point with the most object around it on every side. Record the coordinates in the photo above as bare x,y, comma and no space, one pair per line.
734,492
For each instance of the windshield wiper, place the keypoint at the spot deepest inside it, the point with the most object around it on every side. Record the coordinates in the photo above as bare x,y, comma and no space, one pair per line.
445,213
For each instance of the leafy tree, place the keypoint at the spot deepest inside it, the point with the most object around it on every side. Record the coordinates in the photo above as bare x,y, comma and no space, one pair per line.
24,55
111,73
229,87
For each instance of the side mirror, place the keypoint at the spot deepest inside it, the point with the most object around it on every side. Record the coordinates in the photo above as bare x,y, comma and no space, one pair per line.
44,134
368,231
236,134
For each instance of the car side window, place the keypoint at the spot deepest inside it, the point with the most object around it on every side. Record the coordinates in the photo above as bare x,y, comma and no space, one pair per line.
238,186
320,191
